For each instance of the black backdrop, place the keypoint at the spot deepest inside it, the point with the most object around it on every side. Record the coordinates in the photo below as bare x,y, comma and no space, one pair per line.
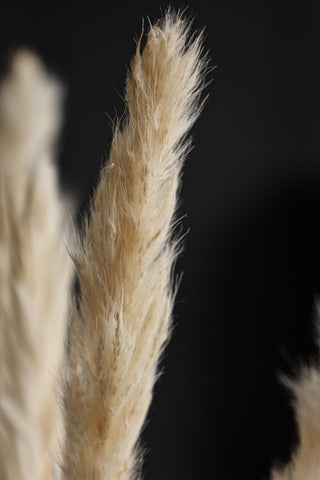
252,198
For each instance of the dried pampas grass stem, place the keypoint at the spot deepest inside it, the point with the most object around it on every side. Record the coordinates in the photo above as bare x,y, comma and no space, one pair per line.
124,263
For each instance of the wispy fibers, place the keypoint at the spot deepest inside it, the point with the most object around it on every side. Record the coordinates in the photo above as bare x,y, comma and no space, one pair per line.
122,318
35,271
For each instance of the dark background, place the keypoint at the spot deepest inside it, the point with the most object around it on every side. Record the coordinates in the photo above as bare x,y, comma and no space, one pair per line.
245,309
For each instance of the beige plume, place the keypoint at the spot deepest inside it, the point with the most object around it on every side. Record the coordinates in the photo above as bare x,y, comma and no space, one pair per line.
305,463
34,271
124,262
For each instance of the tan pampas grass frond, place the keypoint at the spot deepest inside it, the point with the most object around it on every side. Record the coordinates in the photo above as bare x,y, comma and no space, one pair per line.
305,389
34,271
124,263
305,463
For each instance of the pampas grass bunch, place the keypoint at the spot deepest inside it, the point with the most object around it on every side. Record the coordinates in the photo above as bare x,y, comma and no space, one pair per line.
120,321
77,370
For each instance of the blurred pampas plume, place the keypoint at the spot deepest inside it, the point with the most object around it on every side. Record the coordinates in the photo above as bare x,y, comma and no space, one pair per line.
122,318
305,389
35,271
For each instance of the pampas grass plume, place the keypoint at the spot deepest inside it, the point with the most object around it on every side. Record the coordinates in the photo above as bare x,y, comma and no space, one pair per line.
34,271
122,318
305,462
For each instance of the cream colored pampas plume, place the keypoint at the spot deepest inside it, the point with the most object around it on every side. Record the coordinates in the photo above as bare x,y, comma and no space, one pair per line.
305,464
124,263
34,271
305,389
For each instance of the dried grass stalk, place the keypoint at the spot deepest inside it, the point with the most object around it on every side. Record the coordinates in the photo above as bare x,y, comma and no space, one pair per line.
34,271
124,263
